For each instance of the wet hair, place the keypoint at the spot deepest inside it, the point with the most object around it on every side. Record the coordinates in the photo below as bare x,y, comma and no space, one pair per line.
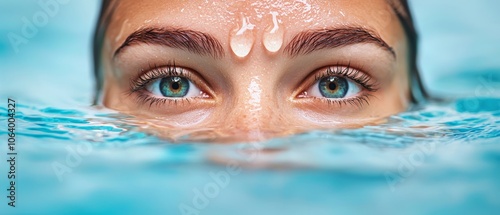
418,93
401,7
107,9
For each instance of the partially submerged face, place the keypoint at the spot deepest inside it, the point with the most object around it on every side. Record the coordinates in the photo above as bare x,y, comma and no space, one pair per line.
255,68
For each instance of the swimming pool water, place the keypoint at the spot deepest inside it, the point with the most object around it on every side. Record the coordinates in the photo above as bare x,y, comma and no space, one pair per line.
444,158
439,158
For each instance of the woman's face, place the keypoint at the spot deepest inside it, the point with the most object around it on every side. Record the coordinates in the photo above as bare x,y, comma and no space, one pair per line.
255,69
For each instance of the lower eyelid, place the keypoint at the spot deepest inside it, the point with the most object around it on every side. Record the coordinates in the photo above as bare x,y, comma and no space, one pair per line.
359,101
143,99
362,79
157,72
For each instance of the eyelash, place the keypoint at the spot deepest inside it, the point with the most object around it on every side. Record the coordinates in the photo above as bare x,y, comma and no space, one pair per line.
154,72
351,73
357,76
145,77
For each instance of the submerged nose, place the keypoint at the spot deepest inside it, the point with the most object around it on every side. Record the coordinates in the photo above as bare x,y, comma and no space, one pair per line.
253,125
255,113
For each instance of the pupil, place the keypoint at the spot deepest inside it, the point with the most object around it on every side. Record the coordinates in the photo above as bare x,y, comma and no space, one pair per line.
332,86
175,85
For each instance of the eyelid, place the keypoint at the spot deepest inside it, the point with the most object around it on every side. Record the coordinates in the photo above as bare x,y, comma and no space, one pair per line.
363,79
367,82
145,77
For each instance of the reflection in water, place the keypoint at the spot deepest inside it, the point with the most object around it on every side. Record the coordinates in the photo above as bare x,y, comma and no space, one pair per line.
443,155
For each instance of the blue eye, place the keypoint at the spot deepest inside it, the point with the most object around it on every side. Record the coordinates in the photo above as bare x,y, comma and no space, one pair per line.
334,87
174,87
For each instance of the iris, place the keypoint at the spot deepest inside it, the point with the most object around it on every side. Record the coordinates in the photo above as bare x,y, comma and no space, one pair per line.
174,86
333,87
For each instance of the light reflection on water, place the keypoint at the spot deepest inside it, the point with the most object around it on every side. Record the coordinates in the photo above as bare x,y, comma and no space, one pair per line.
443,157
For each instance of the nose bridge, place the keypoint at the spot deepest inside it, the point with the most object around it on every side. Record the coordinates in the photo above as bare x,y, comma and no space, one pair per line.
255,106
255,95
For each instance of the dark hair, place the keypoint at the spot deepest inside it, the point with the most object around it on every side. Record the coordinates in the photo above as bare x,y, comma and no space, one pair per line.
107,8
418,93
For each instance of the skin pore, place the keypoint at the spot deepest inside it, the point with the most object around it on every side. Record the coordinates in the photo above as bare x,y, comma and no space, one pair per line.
254,69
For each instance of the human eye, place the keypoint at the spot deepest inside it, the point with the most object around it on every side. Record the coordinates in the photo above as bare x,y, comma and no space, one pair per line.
340,85
173,84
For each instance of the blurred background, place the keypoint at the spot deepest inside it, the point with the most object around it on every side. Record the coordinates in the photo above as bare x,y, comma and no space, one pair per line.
459,49
129,172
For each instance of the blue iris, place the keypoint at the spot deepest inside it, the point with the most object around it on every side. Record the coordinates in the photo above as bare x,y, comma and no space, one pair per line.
333,87
174,86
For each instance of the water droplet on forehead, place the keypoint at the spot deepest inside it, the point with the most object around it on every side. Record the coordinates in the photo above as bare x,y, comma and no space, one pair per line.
273,36
241,40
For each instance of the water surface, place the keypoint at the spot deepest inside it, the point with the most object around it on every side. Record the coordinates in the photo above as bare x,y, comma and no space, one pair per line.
440,158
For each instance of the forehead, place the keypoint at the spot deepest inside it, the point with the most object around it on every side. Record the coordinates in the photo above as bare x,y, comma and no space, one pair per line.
220,17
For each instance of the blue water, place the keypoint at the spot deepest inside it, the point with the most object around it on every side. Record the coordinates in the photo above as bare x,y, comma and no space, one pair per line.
440,158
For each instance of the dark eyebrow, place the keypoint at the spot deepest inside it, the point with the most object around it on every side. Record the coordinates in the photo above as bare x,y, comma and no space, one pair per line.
193,41
312,40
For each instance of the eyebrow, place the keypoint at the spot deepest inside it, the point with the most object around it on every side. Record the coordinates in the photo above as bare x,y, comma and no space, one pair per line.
313,40
190,40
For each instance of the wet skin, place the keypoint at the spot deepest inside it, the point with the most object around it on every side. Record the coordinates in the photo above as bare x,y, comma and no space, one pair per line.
269,90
